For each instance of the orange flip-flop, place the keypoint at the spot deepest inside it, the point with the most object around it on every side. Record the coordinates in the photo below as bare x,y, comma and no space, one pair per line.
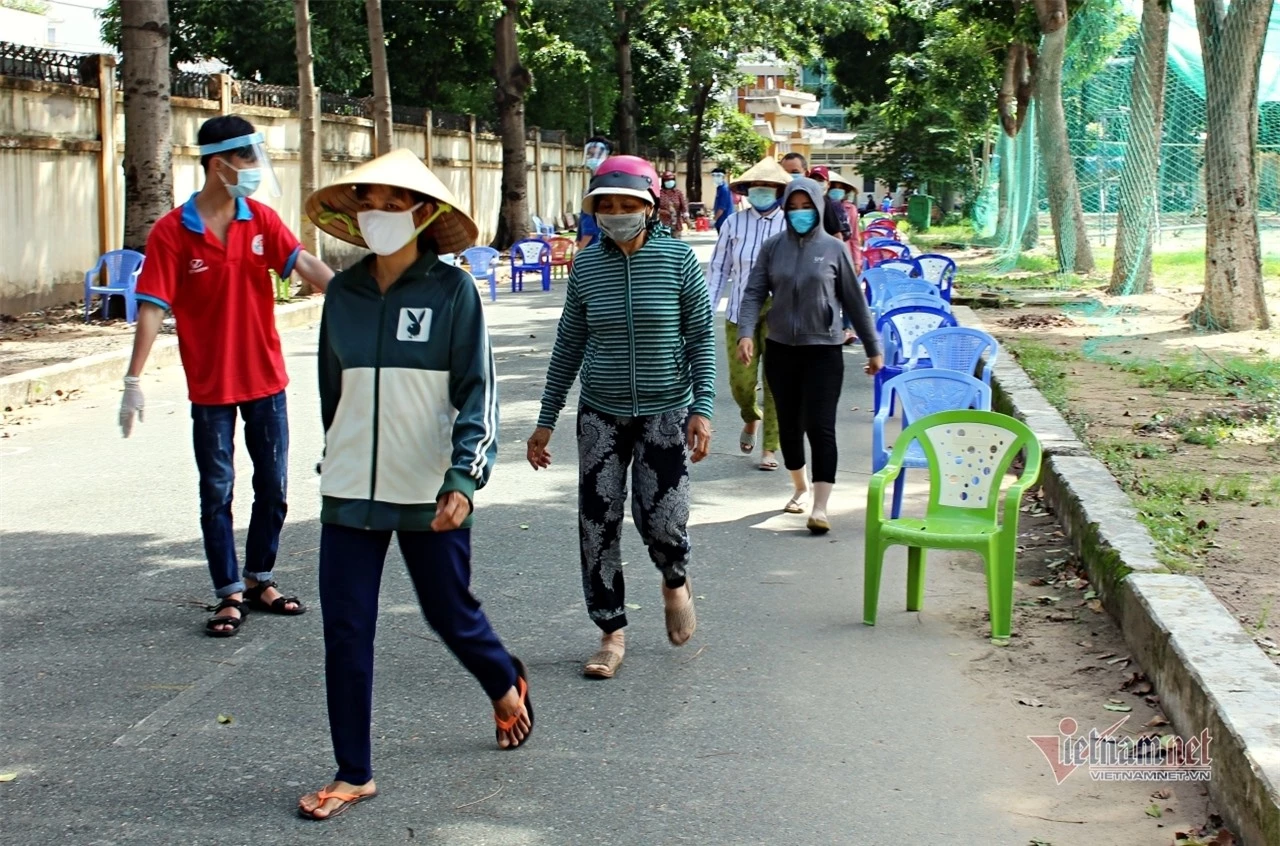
348,799
522,685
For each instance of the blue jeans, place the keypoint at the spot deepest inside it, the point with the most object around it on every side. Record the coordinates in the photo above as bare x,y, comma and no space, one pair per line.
266,436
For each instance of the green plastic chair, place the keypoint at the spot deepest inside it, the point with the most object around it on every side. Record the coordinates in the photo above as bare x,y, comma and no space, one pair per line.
968,453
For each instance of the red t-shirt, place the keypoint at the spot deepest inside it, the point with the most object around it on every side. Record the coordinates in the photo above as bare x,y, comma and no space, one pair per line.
222,298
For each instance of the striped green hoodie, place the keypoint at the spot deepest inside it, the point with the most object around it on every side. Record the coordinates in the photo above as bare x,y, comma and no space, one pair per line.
407,396
637,330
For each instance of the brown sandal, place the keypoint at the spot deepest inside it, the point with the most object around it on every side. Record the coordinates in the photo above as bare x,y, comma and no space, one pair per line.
682,619
603,665
348,799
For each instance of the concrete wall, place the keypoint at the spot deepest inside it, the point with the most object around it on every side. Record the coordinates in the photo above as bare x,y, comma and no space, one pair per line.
51,152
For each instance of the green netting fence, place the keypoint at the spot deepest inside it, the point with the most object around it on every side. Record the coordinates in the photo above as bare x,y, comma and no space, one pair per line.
1158,181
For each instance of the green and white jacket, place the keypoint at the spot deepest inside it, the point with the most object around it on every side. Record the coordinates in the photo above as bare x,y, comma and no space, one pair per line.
407,395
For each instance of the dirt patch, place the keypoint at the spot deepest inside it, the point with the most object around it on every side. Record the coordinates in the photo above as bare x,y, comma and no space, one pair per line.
1036,320
1068,660
55,335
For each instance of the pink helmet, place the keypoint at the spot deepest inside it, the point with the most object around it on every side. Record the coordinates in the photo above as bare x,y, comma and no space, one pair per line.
629,175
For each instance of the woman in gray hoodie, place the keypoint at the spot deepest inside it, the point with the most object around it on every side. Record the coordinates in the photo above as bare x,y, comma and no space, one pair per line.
813,284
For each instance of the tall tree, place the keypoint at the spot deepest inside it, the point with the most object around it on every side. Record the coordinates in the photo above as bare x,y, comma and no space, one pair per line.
625,125
1065,208
381,81
1231,41
148,122
513,80
1139,181
309,117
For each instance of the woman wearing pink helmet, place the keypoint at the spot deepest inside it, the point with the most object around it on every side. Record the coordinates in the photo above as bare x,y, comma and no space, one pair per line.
637,332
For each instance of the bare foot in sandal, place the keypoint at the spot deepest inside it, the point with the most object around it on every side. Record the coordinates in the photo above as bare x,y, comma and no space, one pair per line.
513,713
608,657
334,799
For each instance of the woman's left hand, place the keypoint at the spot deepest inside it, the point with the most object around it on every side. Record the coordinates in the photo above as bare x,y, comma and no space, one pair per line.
874,365
699,437
451,510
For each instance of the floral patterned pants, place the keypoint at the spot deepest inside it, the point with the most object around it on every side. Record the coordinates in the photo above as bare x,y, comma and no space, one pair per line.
654,448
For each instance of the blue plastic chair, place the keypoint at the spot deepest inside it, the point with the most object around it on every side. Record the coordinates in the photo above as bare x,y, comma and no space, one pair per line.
542,228
957,348
939,270
122,268
531,255
909,266
876,278
921,392
914,298
899,330
483,262
889,245
897,287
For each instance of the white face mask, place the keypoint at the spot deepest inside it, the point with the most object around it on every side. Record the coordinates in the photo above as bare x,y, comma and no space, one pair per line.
386,232
621,228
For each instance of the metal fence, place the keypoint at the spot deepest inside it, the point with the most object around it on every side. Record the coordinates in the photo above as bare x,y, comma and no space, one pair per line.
48,65
259,94
339,104
444,120
412,115
195,85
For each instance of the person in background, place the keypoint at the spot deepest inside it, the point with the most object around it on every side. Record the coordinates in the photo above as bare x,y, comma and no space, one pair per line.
673,209
836,222
208,262
409,404
811,279
724,206
645,404
886,205
731,262
594,152
841,191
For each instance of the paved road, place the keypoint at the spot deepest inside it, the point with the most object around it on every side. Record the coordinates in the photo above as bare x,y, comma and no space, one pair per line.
785,721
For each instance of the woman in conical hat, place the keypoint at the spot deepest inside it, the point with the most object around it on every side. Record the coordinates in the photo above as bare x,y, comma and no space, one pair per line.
410,413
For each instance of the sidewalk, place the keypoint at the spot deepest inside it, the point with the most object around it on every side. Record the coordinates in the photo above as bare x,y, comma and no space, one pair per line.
784,721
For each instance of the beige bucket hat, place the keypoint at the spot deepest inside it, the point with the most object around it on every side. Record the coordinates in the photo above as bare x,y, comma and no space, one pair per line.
834,177
765,170
334,207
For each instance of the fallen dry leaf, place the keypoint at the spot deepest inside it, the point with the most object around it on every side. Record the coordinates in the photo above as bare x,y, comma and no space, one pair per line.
1031,703
7,776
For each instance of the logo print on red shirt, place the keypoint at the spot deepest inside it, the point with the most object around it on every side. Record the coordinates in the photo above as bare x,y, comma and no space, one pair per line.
257,247
197,266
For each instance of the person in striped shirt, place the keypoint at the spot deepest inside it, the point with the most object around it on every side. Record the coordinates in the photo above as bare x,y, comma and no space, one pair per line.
638,332
736,250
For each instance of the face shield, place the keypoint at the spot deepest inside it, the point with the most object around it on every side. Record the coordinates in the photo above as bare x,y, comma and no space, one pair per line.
250,160
594,154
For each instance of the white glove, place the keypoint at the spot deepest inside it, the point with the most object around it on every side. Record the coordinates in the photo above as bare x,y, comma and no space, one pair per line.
130,403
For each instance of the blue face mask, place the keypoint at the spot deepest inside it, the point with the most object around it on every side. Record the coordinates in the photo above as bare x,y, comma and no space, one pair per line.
796,176
803,220
668,183
762,199
247,181
836,194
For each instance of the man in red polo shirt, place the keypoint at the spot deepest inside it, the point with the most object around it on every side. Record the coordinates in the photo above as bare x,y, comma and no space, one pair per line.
207,261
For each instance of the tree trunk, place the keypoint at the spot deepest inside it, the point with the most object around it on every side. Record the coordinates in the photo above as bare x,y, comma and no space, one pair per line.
693,157
628,143
381,80
1139,182
309,117
148,122
512,79
1231,43
1069,233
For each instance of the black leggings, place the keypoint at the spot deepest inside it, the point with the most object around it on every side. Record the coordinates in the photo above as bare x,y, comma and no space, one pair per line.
806,383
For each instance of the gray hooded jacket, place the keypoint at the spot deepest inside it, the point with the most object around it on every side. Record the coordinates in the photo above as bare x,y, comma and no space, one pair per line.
812,282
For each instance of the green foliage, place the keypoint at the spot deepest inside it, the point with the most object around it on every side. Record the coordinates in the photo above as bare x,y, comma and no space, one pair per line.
732,142
35,7
1043,364
1235,376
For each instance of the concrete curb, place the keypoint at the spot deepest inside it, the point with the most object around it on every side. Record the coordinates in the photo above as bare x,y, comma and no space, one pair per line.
31,386
1210,675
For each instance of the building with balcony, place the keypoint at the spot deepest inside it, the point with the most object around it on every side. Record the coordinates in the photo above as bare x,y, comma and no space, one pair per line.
777,108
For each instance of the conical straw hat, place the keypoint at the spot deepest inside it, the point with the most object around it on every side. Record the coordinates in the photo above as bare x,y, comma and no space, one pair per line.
765,170
334,207
835,178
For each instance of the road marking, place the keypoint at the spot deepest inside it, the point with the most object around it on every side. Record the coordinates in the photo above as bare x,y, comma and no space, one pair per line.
157,720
